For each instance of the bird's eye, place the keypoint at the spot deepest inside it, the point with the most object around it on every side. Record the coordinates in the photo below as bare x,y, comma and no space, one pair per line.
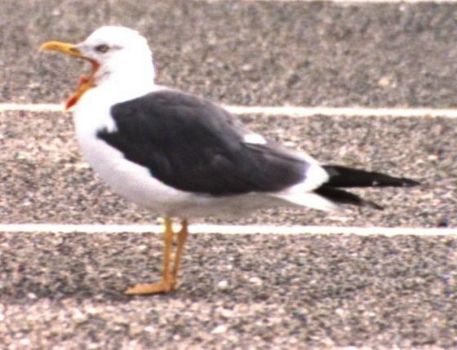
102,48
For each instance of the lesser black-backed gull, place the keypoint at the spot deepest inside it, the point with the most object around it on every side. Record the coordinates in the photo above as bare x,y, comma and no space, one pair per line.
184,156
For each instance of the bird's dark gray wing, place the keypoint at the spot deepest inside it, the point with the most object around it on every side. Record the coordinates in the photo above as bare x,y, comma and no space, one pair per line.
193,145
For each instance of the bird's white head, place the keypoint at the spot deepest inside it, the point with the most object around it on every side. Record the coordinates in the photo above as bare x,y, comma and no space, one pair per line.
120,58
120,52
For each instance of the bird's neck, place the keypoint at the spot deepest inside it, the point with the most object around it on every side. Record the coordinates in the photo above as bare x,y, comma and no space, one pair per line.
135,80
92,112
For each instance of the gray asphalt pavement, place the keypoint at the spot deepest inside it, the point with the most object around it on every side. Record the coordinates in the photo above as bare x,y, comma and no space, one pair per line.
268,53
263,291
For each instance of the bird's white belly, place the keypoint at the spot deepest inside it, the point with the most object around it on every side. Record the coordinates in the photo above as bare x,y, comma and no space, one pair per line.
136,183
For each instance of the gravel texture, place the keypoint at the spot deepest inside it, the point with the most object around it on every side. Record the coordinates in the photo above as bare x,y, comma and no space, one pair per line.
268,292
238,292
243,52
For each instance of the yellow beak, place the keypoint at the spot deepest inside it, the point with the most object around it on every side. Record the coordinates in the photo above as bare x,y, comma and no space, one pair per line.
66,48
85,82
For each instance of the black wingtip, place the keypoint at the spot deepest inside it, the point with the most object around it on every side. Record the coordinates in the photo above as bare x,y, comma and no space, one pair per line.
341,176
339,196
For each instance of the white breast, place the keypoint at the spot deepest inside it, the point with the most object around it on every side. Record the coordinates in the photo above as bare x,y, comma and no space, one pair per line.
134,182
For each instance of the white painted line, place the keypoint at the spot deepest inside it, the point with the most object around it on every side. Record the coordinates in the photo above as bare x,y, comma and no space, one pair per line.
291,111
230,229
299,112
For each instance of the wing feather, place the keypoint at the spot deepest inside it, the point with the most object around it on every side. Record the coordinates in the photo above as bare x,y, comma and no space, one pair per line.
194,145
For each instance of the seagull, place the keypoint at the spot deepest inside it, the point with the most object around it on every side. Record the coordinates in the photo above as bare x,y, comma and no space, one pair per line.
183,156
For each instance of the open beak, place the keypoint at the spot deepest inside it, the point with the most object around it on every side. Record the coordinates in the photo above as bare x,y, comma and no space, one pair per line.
85,82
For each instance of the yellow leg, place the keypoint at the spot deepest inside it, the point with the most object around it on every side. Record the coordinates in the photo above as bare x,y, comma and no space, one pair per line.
182,237
168,280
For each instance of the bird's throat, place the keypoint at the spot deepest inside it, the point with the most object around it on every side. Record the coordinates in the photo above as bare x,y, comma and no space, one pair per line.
84,84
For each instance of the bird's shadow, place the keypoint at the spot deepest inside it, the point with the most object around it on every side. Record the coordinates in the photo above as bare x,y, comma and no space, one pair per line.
215,267
103,266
